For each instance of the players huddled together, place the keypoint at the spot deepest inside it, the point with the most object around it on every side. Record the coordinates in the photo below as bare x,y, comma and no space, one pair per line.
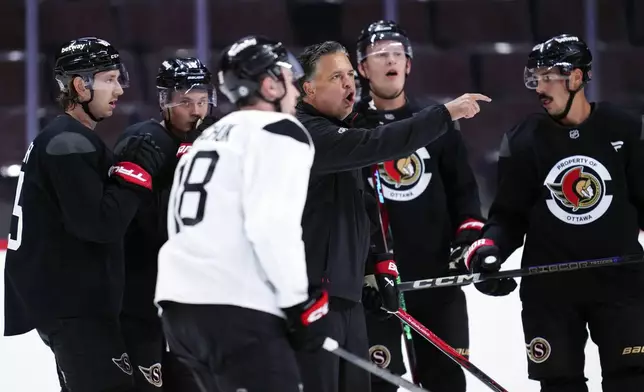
224,254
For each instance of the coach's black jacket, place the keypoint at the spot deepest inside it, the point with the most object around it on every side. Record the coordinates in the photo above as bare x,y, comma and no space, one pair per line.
336,226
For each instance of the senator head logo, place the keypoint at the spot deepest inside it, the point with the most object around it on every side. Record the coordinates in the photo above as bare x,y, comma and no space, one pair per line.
406,178
577,187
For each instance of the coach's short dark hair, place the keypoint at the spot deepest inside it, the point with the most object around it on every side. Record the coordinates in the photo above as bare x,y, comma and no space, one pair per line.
311,55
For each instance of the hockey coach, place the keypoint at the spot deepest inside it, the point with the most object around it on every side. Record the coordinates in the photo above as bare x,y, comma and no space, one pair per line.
335,223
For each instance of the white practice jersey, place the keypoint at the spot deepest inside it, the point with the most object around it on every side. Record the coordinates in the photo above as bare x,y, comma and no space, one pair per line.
235,215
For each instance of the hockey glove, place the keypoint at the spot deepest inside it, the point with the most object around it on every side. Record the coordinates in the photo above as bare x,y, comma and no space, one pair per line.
468,232
372,300
385,273
205,123
304,329
483,257
139,159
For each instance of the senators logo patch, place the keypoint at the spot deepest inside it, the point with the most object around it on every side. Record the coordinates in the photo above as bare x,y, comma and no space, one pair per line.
577,187
380,355
538,350
406,178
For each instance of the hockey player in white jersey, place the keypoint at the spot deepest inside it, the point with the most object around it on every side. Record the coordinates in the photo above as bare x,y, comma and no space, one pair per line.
232,281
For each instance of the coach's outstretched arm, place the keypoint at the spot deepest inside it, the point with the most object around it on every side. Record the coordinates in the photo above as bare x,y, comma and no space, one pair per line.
340,148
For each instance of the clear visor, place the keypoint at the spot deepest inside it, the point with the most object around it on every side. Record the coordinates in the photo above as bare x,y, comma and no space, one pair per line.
109,80
386,50
533,76
198,95
291,63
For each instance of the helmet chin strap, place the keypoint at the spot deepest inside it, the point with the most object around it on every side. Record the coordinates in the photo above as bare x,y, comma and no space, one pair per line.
85,106
277,103
571,97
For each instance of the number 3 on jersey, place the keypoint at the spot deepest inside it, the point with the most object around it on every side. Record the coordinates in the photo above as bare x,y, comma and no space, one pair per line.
190,197
15,241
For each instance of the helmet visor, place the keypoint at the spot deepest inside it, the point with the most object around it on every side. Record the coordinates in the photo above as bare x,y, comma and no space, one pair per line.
384,42
109,79
385,51
546,75
197,95
105,79
290,62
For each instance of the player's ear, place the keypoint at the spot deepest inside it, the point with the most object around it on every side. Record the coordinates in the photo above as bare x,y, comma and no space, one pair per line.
408,67
267,88
362,71
576,77
79,85
308,88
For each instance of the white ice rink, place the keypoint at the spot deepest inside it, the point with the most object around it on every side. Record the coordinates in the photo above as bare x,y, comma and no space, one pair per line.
497,348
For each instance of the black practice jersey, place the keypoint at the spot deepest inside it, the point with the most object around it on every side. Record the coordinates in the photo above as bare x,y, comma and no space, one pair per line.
576,193
148,230
335,223
64,256
428,194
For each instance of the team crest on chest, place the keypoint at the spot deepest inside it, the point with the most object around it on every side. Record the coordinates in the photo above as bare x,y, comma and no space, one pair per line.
406,178
577,186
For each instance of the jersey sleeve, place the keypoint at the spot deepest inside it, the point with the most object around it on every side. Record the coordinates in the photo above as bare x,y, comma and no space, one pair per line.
276,176
152,217
634,170
460,184
92,208
340,149
517,190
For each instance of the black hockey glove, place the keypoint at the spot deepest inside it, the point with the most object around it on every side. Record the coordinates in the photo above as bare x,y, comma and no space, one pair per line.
483,257
205,123
468,232
385,273
304,328
138,159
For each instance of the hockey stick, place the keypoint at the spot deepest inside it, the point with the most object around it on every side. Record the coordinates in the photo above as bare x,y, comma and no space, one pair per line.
449,351
384,225
463,280
332,346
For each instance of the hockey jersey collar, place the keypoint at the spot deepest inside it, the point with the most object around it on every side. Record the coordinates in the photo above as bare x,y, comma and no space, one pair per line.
366,106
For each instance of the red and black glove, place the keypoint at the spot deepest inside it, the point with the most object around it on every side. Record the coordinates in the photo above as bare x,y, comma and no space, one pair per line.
483,257
468,232
304,329
139,159
386,272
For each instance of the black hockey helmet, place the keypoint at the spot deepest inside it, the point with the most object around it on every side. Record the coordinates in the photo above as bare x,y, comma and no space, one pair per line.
382,30
565,52
244,64
85,57
183,74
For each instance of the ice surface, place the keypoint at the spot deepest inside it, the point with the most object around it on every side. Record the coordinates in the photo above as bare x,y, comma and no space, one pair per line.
497,348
